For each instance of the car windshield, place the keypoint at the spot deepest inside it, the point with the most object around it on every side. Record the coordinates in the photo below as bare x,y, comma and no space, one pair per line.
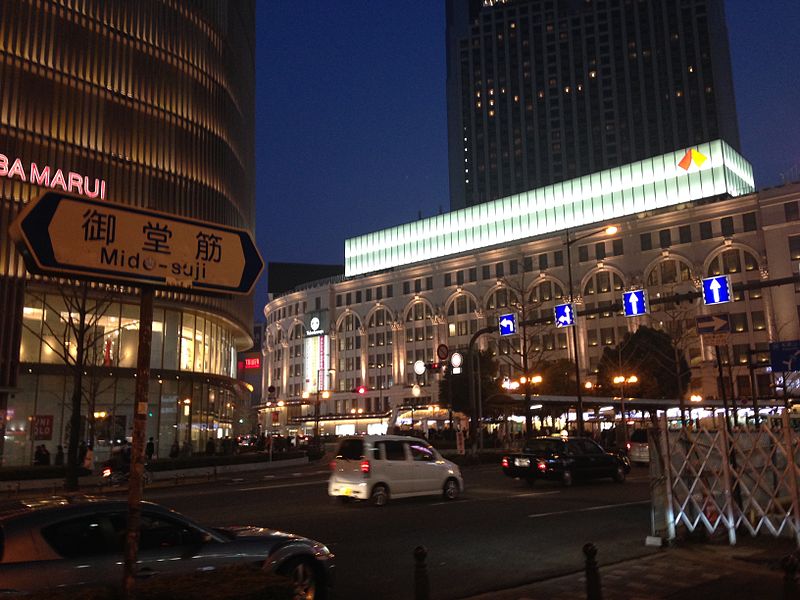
544,447
351,449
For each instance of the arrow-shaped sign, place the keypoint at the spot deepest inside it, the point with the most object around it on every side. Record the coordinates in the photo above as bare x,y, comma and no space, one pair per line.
507,324
715,286
64,235
634,301
566,317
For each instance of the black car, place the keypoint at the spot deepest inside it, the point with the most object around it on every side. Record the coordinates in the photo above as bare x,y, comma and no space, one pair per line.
565,459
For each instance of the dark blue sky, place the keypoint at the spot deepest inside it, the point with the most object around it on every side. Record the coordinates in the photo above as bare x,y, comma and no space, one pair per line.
351,119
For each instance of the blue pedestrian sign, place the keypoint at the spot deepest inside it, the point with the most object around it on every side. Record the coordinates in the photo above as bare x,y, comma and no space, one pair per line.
635,303
565,315
717,290
508,324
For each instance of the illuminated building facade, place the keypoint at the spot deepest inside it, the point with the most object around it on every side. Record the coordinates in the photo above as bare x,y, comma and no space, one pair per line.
410,288
542,91
149,104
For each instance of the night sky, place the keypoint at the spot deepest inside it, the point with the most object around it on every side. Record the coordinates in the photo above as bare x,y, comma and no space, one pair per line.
351,132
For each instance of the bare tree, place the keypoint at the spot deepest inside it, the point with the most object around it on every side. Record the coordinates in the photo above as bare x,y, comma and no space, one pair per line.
73,336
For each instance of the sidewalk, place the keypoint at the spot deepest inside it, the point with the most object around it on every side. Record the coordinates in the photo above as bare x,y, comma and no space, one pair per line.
691,571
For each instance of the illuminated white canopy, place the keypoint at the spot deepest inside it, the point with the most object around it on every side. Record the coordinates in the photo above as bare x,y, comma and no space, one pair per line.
704,171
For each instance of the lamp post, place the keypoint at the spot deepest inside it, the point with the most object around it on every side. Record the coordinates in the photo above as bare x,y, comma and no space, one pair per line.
578,393
621,380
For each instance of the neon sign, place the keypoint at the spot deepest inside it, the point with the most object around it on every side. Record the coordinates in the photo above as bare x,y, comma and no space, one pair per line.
252,363
46,176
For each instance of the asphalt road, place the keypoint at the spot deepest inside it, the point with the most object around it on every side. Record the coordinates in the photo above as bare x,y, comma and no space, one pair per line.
501,533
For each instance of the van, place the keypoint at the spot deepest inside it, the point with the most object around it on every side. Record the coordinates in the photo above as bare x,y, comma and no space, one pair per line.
638,447
379,467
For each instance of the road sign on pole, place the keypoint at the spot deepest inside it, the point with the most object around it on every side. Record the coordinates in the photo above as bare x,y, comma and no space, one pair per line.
717,290
785,356
635,303
715,329
565,315
508,324
64,235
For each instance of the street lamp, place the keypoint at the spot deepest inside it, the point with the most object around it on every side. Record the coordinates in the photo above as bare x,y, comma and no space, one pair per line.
356,412
621,380
578,393
324,394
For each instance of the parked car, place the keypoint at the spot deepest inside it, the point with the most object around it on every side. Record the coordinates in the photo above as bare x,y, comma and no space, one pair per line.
564,459
63,542
638,447
379,467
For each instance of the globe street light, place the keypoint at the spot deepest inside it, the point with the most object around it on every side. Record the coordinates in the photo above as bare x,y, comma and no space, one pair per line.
611,230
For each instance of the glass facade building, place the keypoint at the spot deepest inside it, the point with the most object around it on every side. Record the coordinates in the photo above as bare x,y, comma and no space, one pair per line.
149,104
541,91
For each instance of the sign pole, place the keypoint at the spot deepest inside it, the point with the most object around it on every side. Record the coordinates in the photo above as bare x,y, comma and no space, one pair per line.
722,391
139,426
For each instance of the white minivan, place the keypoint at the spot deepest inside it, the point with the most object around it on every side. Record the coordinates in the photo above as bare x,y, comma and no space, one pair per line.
377,467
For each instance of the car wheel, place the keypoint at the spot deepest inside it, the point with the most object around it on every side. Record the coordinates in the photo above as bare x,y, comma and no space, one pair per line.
303,577
451,490
619,474
380,495
566,478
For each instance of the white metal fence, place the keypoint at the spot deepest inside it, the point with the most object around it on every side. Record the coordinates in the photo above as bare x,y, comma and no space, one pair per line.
741,481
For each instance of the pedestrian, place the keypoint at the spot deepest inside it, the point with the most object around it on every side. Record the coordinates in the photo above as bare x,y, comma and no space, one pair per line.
211,448
150,450
59,456
81,452
174,450
38,456
88,459
186,449
45,456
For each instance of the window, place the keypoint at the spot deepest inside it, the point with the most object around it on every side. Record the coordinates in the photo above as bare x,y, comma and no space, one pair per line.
448,279
486,272
499,271
558,258
422,452
406,288
646,241
460,277
583,253
617,247
749,222
389,291
790,211
417,285
685,234
368,294
338,299
705,230
473,274
527,264
738,322
358,297
429,283
348,298
542,262
664,238
513,267
159,532
726,225
794,247
85,536
393,450
600,250
378,293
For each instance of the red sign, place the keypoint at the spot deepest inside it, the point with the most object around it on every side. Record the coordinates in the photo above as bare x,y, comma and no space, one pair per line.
252,363
276,418
43,427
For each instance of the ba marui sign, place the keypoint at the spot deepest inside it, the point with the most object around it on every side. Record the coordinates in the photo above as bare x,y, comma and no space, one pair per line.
61,235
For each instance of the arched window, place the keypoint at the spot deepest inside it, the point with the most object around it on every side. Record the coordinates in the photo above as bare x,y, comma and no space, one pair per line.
602,282
419,337
379,350
348,345
668,272
461,320
731,261
500,298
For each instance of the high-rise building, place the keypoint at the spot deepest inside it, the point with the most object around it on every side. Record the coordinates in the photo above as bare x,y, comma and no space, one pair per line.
150,104
542,91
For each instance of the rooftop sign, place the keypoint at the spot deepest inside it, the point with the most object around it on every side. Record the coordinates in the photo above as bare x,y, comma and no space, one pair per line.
66,235
686,175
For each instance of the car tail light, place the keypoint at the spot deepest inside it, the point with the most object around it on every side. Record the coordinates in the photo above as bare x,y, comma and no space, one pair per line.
365,467
628,445
332,465
542,466
106,472
505,461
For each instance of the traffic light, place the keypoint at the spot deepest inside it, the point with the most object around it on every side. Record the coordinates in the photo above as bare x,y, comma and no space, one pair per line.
360,390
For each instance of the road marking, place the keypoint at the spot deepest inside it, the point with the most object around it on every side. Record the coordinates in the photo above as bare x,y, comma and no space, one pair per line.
281,485
590,508
504,498
269,476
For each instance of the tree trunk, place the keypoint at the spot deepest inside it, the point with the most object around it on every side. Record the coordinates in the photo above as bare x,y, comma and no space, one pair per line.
71,479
